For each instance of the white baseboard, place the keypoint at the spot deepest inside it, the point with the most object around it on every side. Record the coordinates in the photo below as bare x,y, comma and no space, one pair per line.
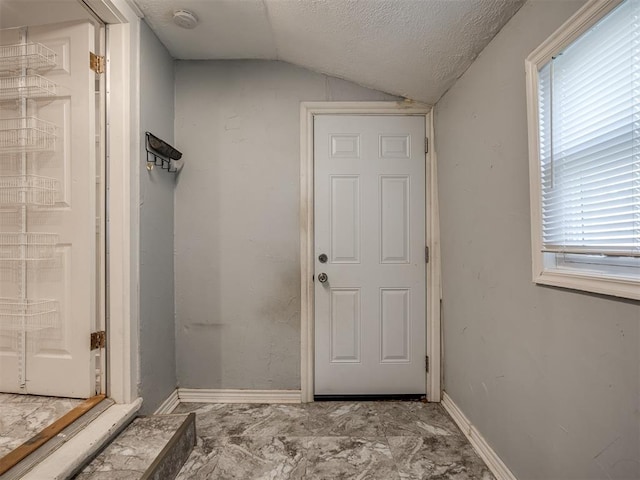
490,457
169,404
203,395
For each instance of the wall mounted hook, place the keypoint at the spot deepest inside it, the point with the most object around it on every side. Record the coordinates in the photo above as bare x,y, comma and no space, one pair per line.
162,153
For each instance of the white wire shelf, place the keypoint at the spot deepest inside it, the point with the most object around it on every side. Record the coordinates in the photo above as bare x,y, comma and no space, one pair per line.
30,55
27,315
26,134
18,190
27,246
28,86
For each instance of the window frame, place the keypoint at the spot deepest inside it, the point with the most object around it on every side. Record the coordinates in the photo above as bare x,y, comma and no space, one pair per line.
543,273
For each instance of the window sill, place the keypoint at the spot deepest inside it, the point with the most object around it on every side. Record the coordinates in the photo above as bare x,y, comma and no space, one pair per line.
594,283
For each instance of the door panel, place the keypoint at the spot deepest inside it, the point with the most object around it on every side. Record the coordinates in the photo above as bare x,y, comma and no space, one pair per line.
345,219
395,325
57,359
345,325
394,219
369,189
61,363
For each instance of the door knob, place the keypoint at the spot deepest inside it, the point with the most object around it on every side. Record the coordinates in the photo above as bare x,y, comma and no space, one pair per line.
322,277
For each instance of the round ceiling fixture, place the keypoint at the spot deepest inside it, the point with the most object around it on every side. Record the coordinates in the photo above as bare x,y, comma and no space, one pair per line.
185,19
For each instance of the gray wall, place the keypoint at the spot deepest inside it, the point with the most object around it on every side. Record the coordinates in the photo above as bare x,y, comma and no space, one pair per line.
237,225
157,306
549,376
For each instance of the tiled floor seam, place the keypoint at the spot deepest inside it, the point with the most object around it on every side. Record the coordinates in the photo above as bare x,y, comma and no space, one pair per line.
395,460
393,457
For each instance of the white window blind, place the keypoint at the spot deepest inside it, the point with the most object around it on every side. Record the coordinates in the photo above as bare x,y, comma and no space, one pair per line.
589,134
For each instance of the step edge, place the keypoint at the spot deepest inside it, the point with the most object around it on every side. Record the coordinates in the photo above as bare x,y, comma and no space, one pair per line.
157,463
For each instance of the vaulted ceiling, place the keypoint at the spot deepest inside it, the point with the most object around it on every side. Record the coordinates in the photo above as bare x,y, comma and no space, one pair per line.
411,48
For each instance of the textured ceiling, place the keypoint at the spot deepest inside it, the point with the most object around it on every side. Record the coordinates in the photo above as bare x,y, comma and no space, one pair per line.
411,48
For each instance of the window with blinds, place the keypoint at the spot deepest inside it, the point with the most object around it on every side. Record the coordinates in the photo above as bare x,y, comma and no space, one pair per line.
588,141
589,104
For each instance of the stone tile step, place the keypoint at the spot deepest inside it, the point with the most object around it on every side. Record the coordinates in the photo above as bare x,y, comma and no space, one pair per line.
150,448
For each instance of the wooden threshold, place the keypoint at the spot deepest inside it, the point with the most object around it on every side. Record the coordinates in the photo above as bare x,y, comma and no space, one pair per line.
27,448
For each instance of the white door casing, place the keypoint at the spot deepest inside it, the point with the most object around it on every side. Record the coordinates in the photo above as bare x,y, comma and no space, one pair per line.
58,360
369,197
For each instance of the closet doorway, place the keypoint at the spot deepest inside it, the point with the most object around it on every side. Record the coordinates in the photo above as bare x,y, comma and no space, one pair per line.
52,211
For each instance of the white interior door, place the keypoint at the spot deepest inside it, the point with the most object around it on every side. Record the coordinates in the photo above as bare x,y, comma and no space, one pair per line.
57,360
369,197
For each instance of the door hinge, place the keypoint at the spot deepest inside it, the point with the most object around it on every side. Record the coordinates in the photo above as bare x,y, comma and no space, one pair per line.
426,363
426,144
98,340
96,62
426,254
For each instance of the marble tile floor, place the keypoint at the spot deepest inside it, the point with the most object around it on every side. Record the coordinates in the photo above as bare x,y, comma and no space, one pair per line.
329,440
23,416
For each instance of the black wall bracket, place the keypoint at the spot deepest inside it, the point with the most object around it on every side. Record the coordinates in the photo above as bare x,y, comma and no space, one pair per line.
160,153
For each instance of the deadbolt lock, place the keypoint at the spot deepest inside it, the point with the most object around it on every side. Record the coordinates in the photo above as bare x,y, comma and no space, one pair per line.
322,258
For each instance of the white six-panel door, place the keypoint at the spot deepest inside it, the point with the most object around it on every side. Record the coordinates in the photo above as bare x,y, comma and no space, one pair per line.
58,359
369,197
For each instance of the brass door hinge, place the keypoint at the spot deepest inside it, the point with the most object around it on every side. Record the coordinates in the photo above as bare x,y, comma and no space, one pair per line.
96,62
98,340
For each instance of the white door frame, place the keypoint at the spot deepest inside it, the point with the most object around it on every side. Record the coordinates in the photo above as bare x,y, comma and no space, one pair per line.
123,152
307,251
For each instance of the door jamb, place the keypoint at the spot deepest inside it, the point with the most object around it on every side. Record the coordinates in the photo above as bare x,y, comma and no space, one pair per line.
307,111
122,19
